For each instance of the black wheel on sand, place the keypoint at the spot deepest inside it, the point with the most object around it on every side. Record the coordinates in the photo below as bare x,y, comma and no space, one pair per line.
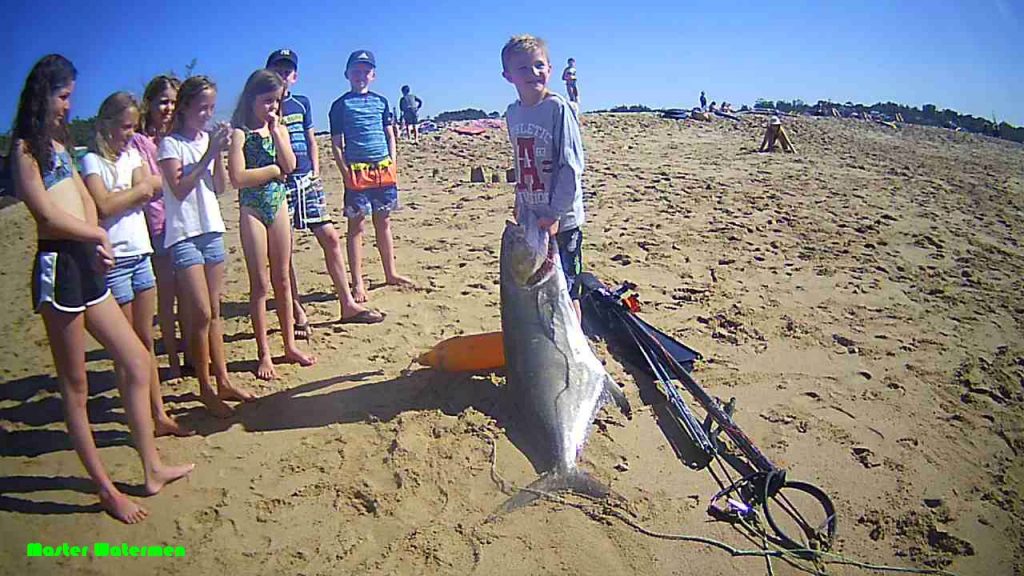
802,516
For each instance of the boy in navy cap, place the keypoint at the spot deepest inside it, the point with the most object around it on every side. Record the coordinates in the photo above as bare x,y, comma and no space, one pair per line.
307,203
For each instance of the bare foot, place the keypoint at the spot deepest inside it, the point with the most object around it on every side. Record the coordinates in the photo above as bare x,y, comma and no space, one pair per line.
400,281
167,426
229,392
359,293
164,475
215,405
350,309
299,357
265,371
121,507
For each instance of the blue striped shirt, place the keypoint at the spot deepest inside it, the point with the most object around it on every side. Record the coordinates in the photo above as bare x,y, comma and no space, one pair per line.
361,119
297,116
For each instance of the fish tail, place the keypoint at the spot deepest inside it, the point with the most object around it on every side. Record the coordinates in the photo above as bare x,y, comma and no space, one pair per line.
612,389
574,480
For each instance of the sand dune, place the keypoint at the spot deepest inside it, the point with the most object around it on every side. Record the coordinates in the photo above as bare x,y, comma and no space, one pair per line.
861,300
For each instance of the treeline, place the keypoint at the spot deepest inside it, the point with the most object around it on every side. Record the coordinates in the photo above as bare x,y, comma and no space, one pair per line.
81,133
465,114
927,115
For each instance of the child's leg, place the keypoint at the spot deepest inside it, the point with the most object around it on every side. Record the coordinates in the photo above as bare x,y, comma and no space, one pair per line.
330,243
196,299
279,242
254,247
165,292
66,333
385,245
297,311
296,191
214,274
140,316
354,243
108,325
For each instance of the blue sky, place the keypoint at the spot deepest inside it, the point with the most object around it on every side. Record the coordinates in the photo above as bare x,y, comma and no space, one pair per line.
960,55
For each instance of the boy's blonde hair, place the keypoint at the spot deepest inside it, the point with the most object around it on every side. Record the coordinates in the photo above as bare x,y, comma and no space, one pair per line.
106,122
522,44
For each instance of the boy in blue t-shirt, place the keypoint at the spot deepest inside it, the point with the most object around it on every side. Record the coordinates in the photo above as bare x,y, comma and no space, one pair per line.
363,143
307,204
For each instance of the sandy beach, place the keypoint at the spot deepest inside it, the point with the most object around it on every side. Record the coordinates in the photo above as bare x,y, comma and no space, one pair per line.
861,299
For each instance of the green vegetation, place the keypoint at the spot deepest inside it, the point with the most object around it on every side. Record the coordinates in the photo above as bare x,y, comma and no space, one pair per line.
465,114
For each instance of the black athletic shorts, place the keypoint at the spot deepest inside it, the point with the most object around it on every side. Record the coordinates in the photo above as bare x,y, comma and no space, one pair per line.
63,275
570,251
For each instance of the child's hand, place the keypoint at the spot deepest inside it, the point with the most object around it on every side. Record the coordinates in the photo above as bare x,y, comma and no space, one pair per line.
104,256
221,137
272,121
156,182
148,191
550,225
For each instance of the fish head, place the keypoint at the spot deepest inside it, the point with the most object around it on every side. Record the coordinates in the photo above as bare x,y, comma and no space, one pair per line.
528,254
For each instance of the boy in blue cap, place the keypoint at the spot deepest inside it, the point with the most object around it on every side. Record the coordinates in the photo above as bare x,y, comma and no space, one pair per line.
363,143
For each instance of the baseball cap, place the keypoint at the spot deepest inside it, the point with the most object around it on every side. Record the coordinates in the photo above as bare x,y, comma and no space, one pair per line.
283,54
775,121
361,56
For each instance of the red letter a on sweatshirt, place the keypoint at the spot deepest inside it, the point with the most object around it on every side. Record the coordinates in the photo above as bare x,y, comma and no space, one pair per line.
528,166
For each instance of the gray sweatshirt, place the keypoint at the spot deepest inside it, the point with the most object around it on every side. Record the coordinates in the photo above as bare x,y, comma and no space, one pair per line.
548,160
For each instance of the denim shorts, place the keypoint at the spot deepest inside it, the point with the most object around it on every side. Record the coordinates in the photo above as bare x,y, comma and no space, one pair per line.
361,203
203,249
130,276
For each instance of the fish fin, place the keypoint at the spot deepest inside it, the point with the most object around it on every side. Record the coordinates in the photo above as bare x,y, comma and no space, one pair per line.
574,480
613,390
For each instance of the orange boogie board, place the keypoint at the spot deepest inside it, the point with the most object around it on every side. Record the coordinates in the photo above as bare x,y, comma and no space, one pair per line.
476,352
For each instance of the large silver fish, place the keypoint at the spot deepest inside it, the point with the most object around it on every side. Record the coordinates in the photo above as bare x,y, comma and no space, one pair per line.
553,377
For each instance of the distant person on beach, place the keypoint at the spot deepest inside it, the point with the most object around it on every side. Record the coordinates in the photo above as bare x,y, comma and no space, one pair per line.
121,185
713,107
363,143
410,105
68,290
775,134
544,130
307,203
259,159
156,118
703,101
569,77
194,174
